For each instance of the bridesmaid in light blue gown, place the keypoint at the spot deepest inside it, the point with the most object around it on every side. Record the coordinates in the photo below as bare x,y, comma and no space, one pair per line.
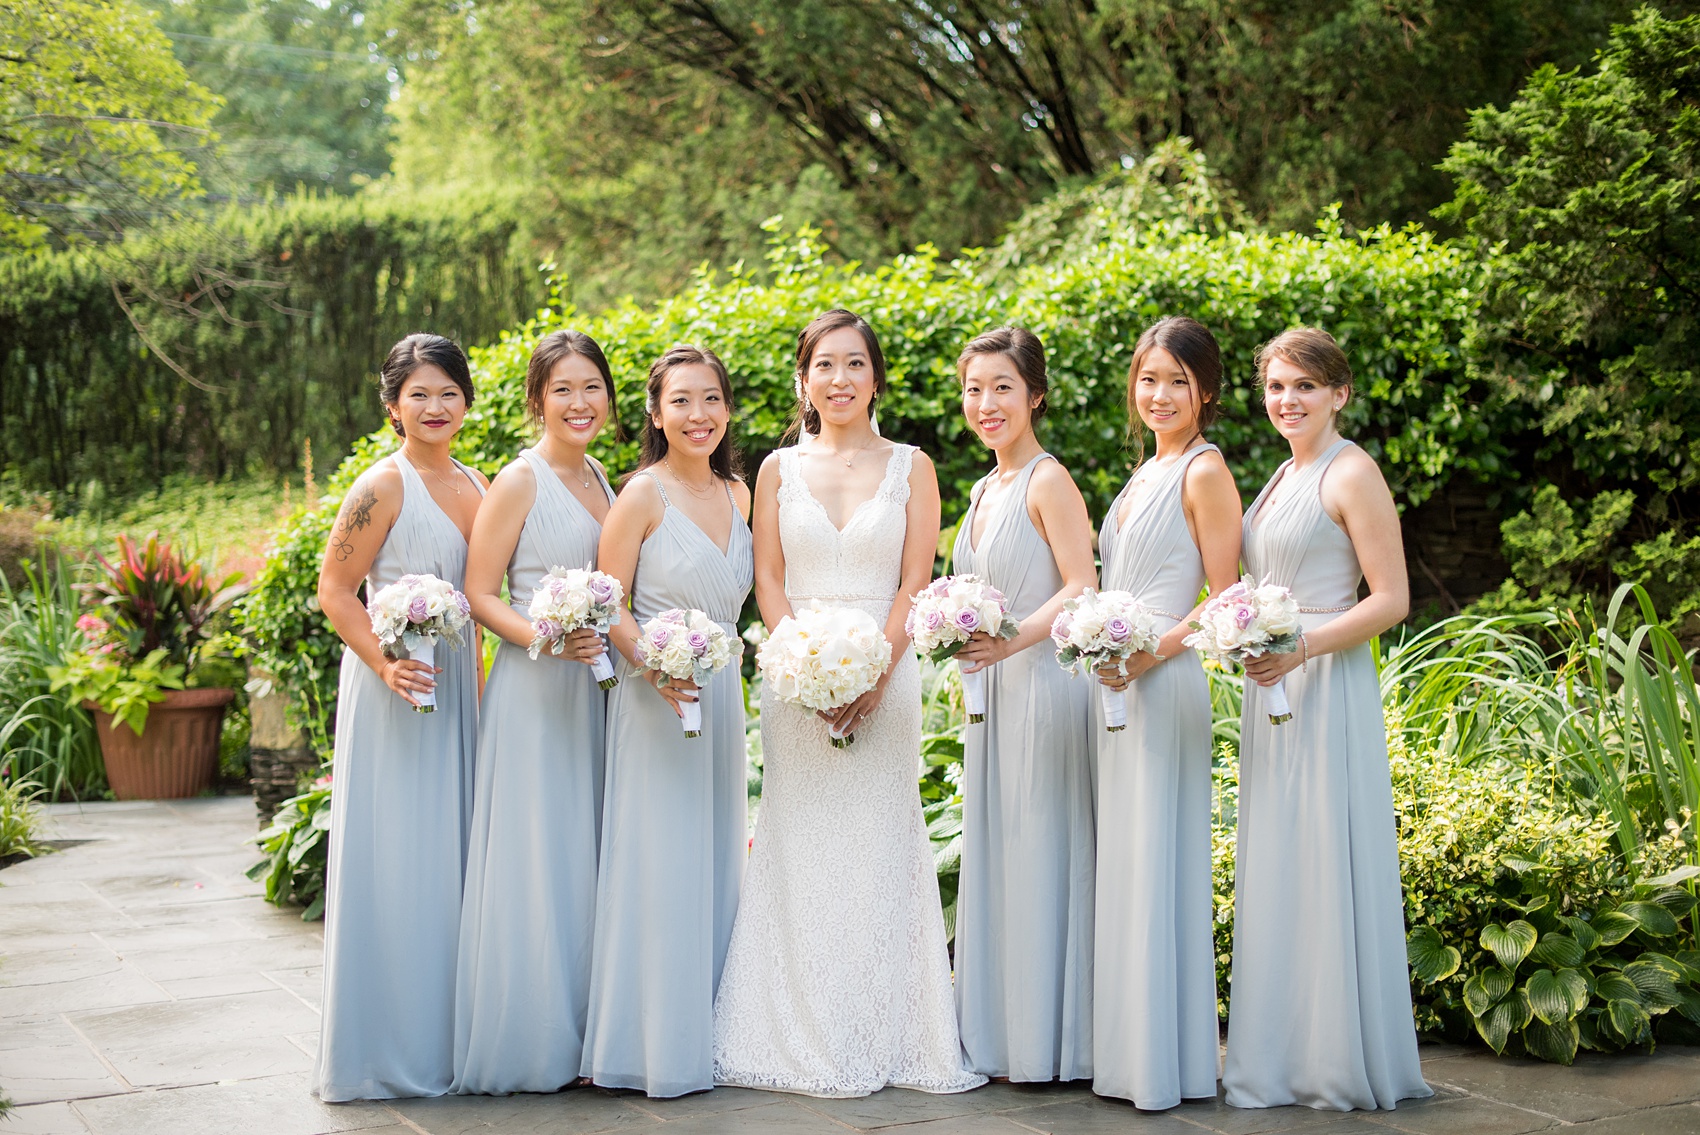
1172,529
525,932
403,796
674,831
1024,905
1321,1011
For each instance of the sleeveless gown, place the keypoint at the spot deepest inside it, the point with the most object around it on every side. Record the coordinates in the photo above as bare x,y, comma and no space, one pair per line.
1321,1011
1156,990
1024,913
838,980
399,821
530,902
674,823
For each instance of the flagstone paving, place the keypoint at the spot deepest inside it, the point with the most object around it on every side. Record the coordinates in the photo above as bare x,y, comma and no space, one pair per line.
146,988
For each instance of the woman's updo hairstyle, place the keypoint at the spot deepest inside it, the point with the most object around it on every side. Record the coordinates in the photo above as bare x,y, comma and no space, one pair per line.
551,349
822,325
1023,349
725,462
1313,351
413,352
1190,344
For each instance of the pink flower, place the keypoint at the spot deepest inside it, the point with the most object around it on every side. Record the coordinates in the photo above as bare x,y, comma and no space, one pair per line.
1062,625
323,781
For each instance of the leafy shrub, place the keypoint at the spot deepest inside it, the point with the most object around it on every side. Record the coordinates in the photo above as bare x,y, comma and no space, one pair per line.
295,846
20,818
44,737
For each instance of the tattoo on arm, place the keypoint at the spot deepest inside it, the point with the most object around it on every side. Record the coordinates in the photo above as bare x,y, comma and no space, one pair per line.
357,517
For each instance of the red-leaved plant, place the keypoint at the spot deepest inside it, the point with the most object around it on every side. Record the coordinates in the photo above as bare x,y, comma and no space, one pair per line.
153,599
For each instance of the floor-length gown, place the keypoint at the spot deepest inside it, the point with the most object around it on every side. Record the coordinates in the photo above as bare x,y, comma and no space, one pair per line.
1155,1005
674,825
838,980
1024,903
399,821
1321,1010
525,932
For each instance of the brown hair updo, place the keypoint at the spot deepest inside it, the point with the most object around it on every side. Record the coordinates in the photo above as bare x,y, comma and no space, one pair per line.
822,325
725,461
1313,351
1023,349
413,352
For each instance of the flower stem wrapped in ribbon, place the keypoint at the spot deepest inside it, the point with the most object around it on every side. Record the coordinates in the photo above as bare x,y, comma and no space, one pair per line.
1246,621
414,613
824,658
686,644
946,614
1098,628
567,601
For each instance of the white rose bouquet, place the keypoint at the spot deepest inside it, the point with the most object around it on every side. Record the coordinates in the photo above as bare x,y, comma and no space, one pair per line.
681,644
1247,620
822,658
416,611
1100,627
946,614
567,601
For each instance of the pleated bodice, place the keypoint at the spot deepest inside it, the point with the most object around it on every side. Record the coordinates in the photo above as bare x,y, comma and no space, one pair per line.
559,532
1154,557
423,540
680,566
1296,544
1011,555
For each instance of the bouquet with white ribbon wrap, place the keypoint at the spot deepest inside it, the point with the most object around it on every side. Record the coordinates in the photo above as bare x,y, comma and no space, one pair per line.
1099,628
824,658
1246,621
946,614
413,614
681,644
567,601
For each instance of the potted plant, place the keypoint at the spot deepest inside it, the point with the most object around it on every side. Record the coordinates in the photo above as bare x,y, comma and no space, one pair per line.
158,734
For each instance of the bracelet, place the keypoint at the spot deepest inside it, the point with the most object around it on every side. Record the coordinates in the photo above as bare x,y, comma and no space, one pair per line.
1304,661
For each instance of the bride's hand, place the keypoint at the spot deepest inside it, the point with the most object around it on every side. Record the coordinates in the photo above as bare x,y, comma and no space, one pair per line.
676,690
409,678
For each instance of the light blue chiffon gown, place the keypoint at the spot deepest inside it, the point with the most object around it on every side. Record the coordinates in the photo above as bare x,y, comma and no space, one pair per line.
1156,961
1321,1010
525,932
400,813
674,834
1024,913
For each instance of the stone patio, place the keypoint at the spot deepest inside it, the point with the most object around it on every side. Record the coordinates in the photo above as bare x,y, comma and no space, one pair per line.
145,987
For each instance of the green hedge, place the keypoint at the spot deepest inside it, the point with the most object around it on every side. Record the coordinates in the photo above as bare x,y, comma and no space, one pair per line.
1400,302
82,397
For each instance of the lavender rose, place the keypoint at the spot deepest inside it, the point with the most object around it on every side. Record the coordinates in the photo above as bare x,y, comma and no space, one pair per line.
1118,628
935,620
547,628
1243,617
601,588
465,607
698,641
968,619
660,637
416,612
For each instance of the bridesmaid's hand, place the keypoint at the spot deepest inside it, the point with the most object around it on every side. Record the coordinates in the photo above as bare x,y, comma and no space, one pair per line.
1120,676
584,646
408,677
675,690
982,650
1267,669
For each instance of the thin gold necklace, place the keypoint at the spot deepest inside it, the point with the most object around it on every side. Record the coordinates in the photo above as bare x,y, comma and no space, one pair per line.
849,462
700,494
451,486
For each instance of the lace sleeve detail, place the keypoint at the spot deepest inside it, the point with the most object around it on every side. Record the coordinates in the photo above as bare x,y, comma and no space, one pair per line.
895,487
790,475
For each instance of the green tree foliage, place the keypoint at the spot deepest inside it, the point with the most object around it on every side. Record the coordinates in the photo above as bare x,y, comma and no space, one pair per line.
1583,195
645,124
99,125
83,395
305,87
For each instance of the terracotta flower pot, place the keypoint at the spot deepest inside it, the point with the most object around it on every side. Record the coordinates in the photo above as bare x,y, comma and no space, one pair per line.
177,752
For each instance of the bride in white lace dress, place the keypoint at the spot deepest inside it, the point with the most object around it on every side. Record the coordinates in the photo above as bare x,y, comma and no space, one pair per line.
838,982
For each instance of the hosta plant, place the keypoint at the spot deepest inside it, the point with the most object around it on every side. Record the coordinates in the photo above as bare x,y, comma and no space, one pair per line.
295,847
1555,978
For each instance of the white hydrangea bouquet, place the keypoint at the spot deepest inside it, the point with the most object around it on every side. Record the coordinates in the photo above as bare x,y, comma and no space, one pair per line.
822,658
946,614
1248,620
417,611
567,601
1097,628
681,644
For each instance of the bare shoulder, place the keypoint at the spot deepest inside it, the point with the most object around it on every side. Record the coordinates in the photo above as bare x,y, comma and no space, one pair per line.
1210,474
741,496
379,488
1354,471
1051,480
515,482
920,464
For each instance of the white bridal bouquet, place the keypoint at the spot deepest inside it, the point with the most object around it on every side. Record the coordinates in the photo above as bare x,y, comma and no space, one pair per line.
822,658
1099,627
567,601
417,611
682,644
946,614
1245,621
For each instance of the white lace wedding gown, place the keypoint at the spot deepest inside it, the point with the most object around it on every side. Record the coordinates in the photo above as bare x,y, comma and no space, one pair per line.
837,982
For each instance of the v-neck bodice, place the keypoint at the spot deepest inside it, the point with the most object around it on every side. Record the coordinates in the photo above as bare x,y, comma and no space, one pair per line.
558,532
681,566
423,540
1010,555
1295,543
861,563
1153,555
